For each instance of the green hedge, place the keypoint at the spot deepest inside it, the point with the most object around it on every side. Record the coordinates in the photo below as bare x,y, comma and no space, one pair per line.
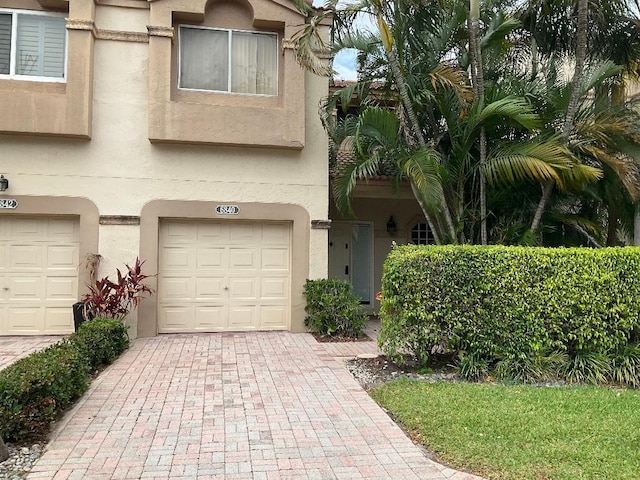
333,309
500,304
101,341
36,389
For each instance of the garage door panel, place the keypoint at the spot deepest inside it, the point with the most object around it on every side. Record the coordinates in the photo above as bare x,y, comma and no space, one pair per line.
178,258
275,259
176,318
61,288
58,320
212,232
275,234
210,288
274,288
274,316
4,251
178,232
62,229
178,288
211,318
26,257
244,233
242,258
245,288
25,320
27,228
212,258
243,317
62,256
25,288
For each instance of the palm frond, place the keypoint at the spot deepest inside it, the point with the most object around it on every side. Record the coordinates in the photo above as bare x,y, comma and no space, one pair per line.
513,108
422,168
536,161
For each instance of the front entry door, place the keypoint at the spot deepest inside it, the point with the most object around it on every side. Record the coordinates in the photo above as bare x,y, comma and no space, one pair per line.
351,256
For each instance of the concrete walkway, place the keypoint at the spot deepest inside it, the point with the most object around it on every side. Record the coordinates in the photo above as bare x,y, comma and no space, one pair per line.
269,405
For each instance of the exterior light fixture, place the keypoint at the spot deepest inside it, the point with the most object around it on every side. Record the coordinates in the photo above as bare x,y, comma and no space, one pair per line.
392,228
4,183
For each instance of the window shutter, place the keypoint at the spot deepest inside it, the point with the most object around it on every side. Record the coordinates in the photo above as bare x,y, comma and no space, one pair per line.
5,43
40,46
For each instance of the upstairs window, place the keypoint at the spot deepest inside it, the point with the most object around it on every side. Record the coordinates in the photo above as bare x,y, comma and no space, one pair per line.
230,61
32,46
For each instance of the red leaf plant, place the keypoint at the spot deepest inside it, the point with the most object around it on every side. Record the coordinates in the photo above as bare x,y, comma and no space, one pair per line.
108,299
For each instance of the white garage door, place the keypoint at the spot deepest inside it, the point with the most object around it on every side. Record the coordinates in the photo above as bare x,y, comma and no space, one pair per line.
223,276
39,260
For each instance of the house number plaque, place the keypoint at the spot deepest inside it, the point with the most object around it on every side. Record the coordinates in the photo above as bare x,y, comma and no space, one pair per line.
227,209
10,203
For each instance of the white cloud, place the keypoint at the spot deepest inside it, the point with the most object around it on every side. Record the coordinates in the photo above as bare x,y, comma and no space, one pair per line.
345,65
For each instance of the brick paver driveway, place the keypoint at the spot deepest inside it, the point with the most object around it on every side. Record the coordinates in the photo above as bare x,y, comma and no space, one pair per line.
14,348
234,406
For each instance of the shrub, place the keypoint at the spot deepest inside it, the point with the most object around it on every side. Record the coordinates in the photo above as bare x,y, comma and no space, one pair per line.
107,299
333,309
101,341
36,389
510,304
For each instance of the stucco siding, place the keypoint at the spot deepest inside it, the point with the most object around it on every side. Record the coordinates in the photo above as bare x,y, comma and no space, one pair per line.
120,171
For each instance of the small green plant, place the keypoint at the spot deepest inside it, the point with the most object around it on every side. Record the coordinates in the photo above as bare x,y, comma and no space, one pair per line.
471,367
108,299
587,367
101,341
37,388
625,366
534,367
333,309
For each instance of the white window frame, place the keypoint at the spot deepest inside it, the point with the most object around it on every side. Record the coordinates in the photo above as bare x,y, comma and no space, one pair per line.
14,40
230,47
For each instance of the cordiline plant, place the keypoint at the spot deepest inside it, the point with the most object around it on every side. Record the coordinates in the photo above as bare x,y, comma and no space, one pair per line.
109,299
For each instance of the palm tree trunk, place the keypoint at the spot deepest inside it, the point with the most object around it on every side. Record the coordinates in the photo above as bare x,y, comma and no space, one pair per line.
569,119
612,226
636,227
477,76
417,132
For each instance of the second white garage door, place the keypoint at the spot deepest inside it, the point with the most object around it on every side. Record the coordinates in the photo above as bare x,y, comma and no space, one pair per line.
223,276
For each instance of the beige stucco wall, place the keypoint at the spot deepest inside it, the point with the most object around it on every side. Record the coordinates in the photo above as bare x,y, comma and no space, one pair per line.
120,170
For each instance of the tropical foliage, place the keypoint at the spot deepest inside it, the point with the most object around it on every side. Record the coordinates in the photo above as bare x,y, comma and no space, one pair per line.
507,118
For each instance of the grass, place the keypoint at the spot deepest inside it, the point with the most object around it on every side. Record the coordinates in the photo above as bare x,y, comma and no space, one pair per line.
522,432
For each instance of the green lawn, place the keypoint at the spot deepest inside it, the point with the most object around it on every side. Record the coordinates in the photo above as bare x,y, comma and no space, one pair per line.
522,432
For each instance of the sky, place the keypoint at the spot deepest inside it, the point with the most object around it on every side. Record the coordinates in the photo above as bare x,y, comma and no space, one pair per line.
345,61
345,65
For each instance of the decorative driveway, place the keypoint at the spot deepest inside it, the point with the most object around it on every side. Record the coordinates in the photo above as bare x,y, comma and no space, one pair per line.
268,405
14,348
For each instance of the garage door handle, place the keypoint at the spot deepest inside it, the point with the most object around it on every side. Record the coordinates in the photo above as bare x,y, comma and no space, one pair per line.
6,289
226,288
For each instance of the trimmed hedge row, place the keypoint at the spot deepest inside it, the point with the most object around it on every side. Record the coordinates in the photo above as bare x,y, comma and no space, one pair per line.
496,304
36,389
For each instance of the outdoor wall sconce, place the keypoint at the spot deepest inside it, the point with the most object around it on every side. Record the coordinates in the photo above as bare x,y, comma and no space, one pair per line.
4,183
392,228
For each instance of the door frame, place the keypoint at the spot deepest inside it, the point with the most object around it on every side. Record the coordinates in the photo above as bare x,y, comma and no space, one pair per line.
368,307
